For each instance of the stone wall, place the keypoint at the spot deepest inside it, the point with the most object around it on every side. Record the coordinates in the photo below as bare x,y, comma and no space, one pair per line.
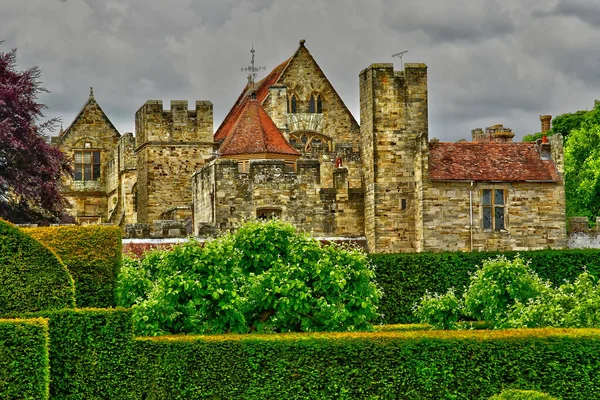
171,146
534,217
393,123
224,197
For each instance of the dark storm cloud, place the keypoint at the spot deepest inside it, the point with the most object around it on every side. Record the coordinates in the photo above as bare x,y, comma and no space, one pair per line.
489,61
586,11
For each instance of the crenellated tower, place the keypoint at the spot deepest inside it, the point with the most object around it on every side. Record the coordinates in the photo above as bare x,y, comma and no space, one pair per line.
394,131
171,146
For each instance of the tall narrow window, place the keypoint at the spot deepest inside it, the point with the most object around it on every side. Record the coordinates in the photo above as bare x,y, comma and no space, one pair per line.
493,204
293,104
87,165
311,105
319,104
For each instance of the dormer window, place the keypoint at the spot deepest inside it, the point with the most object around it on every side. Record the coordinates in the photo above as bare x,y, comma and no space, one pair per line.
86,165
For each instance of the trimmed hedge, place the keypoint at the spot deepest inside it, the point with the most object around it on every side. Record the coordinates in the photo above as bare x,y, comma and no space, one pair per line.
93,256
24,368
404,278
90,354
522,395
384,365
32,278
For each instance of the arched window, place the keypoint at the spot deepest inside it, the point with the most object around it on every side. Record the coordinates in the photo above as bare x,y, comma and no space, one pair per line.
315,104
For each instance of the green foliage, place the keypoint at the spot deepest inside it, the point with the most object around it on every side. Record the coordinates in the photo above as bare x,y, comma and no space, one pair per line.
32,277
497,286
421,365
265,277
90,354
575,305
513,394
563,124
405,278
92,255
440,311
582,167
24,365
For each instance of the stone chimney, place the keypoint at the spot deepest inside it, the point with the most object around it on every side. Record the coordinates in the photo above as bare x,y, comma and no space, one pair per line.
545,119
544,148
499,134
477,135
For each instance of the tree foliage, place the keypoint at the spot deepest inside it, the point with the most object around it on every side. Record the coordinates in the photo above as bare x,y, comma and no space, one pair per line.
507,294
582,167
30,169
563,124
265,277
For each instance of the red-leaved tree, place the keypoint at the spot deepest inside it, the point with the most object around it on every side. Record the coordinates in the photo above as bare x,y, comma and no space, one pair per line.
30,168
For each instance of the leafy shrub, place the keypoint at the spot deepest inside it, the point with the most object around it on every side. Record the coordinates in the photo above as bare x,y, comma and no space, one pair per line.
24,365
404,278
497,286
265,277
575,305
32,277
513,394
92,255
441,311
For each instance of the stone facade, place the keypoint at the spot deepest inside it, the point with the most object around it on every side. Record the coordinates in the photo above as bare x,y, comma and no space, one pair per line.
383,182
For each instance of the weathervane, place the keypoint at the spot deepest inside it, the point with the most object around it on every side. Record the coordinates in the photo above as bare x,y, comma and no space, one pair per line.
253,69
399,55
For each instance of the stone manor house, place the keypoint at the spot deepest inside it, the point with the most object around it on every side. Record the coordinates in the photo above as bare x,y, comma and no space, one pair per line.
290,148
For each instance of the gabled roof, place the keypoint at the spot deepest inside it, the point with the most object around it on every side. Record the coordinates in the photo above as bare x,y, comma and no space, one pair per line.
262,90
255,133
490,162
89,103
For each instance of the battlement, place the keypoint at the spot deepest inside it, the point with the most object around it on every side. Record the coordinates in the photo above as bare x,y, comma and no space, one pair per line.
179,124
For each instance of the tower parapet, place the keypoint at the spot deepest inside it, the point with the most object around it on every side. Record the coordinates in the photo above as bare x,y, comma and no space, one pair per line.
179,124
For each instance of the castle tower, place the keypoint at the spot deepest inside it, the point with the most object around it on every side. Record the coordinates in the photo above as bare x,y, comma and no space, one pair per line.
394,129
171,146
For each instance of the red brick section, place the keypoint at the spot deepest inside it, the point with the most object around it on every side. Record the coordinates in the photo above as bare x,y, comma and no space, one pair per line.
255,133
262,90
507,162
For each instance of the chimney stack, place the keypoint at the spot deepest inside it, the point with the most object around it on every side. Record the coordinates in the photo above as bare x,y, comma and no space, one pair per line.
545,119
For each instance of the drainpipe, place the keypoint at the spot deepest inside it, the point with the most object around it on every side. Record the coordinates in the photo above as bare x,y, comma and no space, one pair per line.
471,214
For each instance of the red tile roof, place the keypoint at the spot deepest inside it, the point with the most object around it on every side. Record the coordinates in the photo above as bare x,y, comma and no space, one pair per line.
255,133
507,162
262,90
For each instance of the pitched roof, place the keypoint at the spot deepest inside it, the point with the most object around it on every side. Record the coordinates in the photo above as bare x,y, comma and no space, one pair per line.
89,103
262,90
506,162
255,133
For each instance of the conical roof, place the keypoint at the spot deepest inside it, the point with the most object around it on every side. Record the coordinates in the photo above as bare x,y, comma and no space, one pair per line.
255,133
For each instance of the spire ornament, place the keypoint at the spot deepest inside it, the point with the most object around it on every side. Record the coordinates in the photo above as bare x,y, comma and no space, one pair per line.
252,69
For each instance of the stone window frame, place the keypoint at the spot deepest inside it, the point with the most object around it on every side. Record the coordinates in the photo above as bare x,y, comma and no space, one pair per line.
315,103
307,138
268,213
80,164
293,103
497,206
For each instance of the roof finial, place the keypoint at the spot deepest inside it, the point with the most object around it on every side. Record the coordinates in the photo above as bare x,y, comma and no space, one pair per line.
302,41
253,69
91,92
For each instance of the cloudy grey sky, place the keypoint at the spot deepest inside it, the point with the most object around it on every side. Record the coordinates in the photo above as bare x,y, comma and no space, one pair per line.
490,61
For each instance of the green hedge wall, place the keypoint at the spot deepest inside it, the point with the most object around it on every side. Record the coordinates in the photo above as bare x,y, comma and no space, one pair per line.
24,368
522,395
384,365
90,354
404,278
32,278
93,256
